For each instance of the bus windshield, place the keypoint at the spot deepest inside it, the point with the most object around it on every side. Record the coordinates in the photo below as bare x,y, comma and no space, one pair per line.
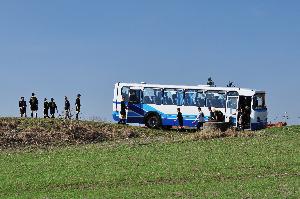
259,101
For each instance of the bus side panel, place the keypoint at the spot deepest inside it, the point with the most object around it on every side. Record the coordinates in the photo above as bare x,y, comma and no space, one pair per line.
135,113
259,119
168,114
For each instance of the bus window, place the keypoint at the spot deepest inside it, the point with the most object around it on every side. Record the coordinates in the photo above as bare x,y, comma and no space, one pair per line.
216,99
157,96
180,95
135,96
190,98
125,93
194,98
232,102
170,97
152,96
201,99
259,101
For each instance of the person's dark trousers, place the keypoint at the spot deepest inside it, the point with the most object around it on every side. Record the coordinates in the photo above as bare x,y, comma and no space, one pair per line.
180,125
199,125
123,121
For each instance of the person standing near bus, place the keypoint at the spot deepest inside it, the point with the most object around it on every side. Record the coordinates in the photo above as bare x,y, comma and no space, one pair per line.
34,105
179,119
46,108
67,108
53,107
78,106
200,119
241,119
123,112
22,107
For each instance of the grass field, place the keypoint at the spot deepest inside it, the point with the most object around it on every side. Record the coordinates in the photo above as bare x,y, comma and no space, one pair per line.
263,166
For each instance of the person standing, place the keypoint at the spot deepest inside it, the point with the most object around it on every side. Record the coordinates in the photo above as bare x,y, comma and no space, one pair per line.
53,107
200,119
241,119
179,119
22,107
34,105
78,106
46,108
123,112
67,108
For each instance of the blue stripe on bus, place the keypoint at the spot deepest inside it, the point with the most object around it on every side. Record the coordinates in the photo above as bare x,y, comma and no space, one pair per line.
136,109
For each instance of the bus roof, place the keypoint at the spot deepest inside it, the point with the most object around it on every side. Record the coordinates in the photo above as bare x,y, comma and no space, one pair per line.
241,91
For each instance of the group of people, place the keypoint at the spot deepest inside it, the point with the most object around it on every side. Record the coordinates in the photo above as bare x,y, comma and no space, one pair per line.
48,106
243,115
214,115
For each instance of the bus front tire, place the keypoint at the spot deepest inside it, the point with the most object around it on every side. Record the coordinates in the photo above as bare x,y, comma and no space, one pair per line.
153,121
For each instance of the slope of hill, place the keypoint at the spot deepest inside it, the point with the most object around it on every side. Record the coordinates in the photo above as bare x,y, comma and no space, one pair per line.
150,164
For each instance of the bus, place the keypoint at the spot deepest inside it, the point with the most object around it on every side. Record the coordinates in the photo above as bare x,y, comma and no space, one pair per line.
155,105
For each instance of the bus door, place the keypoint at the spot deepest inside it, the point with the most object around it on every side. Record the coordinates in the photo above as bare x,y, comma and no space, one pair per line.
245,106
231,108
135,112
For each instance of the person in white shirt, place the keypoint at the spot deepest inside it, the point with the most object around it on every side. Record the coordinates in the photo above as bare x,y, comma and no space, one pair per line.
200,119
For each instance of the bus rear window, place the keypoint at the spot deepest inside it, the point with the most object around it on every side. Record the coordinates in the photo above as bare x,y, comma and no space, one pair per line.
259,101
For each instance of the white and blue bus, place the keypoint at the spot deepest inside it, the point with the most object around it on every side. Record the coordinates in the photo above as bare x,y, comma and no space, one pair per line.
156,105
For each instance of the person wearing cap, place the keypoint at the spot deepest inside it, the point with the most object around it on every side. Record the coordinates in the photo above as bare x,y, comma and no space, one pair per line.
78,106
53,107
67,108
46,108
22,107
34,105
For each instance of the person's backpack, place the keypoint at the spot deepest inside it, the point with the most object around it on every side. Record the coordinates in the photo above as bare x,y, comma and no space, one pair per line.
34,101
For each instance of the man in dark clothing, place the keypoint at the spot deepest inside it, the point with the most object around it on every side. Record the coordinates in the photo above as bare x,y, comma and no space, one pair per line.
210,82
67,108
179,119
123,112
22,107
46,108
219,116
78,106
53,107
34,105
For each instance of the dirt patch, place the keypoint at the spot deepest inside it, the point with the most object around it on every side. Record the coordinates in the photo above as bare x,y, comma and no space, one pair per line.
16,132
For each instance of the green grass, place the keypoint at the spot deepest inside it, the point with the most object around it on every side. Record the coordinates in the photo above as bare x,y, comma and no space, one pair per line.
265,166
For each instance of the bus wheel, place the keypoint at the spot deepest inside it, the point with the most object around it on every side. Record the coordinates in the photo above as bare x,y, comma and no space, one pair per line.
153,121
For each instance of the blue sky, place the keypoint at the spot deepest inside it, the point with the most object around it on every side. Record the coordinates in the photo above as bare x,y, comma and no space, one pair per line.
64,47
